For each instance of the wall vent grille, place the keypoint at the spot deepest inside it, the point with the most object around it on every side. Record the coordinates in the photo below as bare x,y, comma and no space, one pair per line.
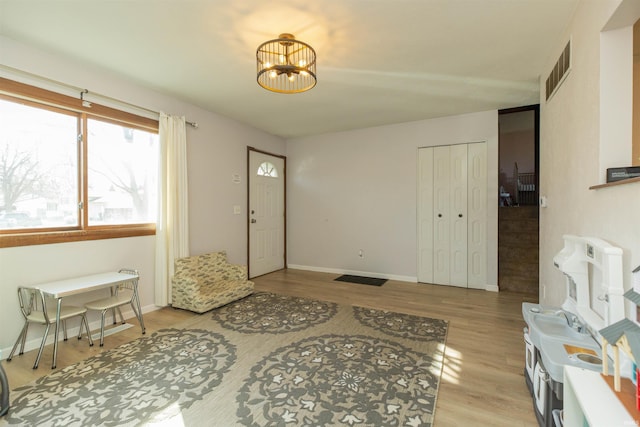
559,72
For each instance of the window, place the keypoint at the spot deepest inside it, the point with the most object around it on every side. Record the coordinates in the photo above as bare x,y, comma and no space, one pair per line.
72,172
122,174
267,169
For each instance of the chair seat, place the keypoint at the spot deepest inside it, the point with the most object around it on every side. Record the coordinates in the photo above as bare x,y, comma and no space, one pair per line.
66,312
110,302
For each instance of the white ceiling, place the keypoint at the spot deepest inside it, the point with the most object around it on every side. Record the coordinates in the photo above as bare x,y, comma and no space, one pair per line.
379,61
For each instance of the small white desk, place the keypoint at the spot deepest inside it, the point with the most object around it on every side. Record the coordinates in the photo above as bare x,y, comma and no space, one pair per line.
64,288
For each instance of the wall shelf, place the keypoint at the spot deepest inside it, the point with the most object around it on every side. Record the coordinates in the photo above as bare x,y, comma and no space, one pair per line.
616,183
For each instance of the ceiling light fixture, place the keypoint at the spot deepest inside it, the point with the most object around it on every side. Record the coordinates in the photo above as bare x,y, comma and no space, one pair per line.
286,65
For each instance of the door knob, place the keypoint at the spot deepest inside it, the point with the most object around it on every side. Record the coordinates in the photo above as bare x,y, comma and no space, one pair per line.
459,215
253,221
439,215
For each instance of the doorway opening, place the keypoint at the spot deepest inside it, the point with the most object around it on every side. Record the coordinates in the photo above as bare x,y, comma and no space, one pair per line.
518,214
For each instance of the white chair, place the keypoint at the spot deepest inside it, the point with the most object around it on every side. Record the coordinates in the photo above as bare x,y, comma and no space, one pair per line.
122,294
33,305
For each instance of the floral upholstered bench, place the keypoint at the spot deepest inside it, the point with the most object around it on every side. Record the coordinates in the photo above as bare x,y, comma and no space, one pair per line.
204,282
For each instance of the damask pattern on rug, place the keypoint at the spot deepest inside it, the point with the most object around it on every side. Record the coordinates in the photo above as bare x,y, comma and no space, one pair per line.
129,384
274,314
341,380
402,325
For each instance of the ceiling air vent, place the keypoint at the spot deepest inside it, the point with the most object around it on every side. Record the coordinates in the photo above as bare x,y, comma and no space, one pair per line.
560,71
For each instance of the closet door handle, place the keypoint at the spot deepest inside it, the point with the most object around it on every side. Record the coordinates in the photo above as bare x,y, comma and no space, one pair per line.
439,215
459,215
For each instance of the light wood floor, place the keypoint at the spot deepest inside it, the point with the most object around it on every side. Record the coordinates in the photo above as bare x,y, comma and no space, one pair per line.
482,382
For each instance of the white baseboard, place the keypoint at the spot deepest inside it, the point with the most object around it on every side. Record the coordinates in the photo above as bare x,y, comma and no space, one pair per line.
490,288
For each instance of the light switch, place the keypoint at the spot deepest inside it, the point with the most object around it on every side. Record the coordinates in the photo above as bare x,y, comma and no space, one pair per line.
237,210
543,202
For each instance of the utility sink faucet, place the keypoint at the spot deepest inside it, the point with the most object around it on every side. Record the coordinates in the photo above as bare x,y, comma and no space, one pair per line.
571,321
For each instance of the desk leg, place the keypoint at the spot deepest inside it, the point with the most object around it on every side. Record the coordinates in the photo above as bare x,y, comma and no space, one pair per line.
55,338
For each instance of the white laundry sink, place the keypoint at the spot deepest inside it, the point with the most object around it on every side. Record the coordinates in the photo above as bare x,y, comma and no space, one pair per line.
556,325
561,340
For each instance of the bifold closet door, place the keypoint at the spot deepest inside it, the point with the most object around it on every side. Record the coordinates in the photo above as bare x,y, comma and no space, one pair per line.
440,208
452,215
425,215
477,215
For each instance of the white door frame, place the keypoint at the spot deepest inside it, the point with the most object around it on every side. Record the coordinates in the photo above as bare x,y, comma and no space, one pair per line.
284,201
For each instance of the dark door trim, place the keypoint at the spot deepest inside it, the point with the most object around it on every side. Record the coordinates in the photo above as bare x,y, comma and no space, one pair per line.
536,135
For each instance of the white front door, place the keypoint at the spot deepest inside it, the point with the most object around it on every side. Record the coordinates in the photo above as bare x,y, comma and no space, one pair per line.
266,213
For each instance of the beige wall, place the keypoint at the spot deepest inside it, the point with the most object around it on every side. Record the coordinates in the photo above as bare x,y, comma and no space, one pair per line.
574,146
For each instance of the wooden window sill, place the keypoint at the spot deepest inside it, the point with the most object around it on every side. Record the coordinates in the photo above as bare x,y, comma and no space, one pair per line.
48,237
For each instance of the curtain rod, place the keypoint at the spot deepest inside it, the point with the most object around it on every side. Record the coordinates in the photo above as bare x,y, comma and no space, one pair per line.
82,92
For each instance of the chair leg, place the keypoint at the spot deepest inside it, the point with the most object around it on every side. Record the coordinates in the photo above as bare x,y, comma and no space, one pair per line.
24,338
44,339
104,312
19,340
86,325
64,328
138,312
80,328
121,316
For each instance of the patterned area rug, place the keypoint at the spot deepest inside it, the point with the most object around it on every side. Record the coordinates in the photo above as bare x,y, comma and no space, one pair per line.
266,360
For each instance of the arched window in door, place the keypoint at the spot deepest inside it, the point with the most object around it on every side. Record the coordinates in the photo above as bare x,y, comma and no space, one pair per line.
267,169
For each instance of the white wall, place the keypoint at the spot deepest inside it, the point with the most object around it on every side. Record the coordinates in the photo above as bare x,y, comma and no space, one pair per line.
357,190
216,151
571,148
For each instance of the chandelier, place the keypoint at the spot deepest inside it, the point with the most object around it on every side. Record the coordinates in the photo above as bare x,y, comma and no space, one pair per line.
286,65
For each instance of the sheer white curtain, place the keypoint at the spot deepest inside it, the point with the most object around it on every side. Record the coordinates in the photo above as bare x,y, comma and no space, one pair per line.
172,227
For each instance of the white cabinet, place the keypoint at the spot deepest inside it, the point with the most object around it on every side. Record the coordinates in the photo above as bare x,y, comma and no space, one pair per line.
452,215
589,401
